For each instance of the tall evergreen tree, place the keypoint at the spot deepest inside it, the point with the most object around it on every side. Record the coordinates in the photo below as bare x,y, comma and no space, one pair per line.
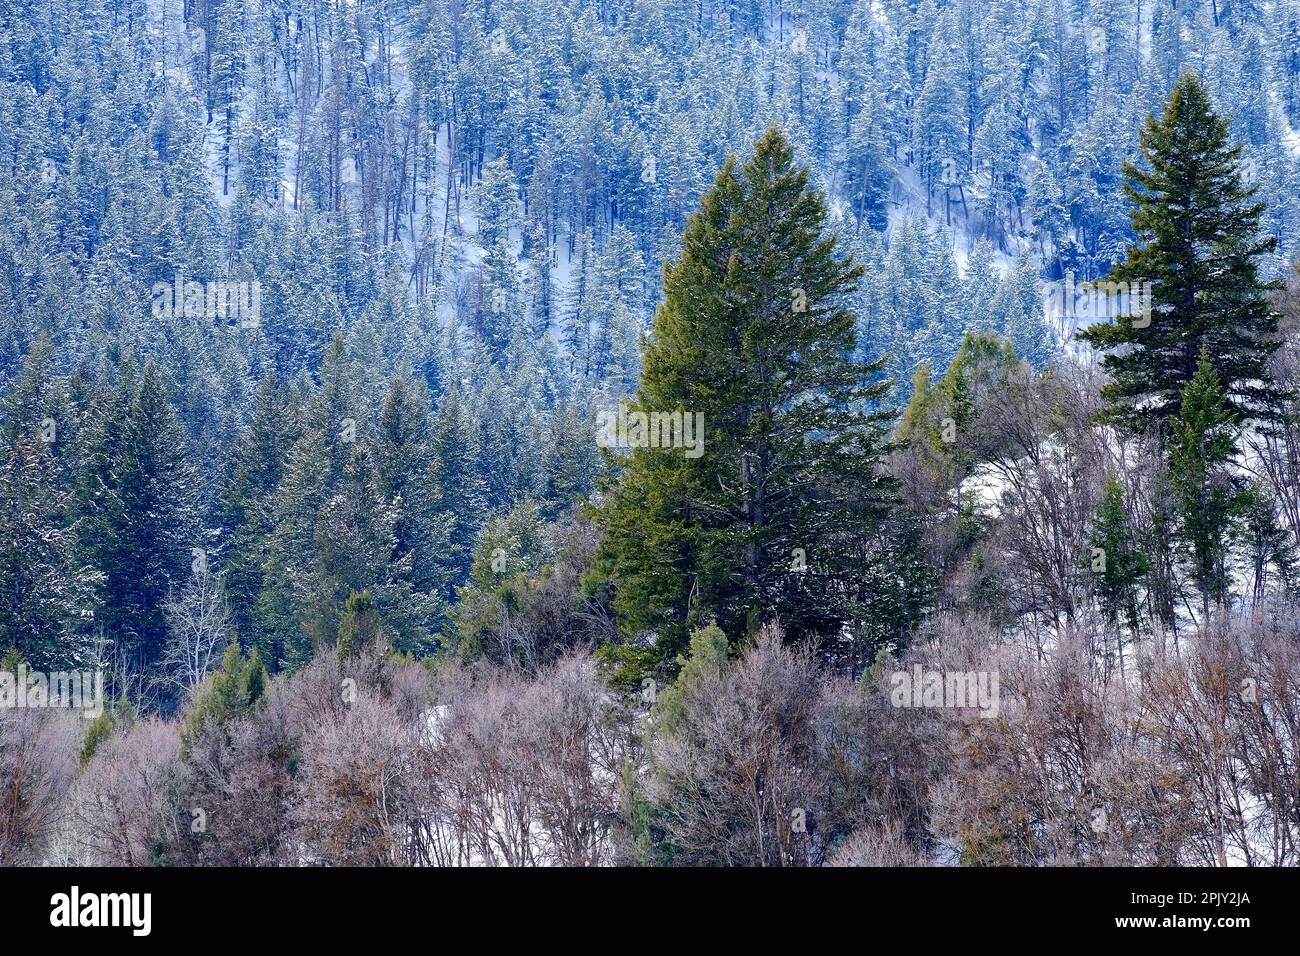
404,458
1198,230
140,498
248,506
458,486
47,595
774,517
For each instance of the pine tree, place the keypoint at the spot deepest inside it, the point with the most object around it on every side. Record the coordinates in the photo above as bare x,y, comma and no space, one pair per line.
499,301
360,628
939,118
870,169
1020,306
289,623
980,284
1210,495
31,397
458,486
140,498
773,518
499,209
1046,211
571,459
297,609
248,507
578,306
404,458
1198,245
1270,544
1116,562
228,692
47,596
354,549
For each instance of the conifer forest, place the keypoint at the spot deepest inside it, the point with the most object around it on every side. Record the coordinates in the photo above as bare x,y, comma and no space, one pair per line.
650,433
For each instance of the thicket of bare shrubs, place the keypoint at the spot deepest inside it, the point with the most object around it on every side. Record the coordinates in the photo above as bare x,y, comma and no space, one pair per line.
1191,762
118,806
763,760
38,757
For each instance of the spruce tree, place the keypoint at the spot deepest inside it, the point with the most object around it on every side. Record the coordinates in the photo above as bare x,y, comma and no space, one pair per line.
577,305
775,517
47,596
1198,245
141,500
32,396
404,459
298,607
1209,493
248,507
459,489
1116,562
1270,544
360,628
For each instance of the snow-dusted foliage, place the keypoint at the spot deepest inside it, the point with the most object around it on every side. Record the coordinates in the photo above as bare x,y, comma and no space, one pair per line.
313,317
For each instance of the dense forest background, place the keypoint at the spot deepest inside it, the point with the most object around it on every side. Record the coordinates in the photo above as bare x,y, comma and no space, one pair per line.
470,227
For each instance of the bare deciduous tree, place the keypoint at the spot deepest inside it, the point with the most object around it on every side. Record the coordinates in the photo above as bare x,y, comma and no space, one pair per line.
198,626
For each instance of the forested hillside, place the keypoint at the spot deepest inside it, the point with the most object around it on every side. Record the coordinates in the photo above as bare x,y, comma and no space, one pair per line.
312,319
